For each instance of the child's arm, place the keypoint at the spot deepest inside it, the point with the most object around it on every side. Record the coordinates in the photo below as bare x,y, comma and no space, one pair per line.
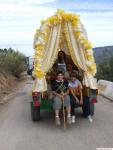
81,95
54,90
66,93
72,92
57,94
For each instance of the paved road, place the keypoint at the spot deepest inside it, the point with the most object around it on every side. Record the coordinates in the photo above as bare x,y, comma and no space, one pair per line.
18,132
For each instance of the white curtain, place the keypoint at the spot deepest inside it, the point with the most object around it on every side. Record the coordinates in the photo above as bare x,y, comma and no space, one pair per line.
49,56
77,54
51,51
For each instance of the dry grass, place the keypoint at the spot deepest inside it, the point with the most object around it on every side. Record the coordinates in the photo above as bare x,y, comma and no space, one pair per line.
9,84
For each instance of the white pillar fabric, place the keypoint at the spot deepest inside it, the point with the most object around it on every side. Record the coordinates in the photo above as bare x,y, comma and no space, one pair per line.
40,85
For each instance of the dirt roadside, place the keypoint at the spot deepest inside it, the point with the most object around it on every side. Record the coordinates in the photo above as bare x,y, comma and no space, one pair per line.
10,86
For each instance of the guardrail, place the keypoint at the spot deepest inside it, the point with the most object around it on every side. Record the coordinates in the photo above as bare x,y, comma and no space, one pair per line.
106,89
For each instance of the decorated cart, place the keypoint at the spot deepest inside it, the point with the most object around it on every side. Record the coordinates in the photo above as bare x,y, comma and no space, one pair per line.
62,31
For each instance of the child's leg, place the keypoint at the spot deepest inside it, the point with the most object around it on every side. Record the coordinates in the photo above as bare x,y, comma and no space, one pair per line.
68,108
57,106
68,111
72,101
56,113
73,104
67,104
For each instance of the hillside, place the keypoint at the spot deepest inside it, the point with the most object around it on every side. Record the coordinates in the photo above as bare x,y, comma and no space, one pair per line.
9,85
102,52
6,84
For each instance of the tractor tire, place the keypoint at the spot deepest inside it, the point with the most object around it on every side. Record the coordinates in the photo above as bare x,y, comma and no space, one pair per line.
92,108
35,112
88,108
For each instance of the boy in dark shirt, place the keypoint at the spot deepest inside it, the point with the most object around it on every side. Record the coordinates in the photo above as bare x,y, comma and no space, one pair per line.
61,93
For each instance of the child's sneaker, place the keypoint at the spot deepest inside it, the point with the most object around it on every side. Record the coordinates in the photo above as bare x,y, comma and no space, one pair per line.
90,118
73,119
57,119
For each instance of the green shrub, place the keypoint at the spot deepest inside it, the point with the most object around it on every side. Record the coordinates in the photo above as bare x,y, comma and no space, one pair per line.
12,61
105,69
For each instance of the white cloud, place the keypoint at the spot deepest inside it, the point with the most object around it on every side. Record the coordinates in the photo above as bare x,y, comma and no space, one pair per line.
38,1
26,2
18,24
85,5
21,10
88,5
99,26
19,20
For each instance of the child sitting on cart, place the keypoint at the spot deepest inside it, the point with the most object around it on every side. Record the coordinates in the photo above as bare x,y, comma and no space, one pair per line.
61,95
75,88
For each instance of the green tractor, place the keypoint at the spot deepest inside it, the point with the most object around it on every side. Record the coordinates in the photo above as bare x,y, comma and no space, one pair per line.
40,103
62,31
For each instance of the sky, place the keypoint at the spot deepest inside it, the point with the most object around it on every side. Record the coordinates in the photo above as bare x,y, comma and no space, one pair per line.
19,20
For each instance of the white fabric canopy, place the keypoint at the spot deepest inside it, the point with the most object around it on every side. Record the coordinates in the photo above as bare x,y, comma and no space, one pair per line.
47,42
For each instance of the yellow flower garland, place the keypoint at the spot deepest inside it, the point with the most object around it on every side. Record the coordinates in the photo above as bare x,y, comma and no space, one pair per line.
60,18
87,47
43,36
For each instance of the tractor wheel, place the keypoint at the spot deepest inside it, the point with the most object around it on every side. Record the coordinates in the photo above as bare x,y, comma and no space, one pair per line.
88,108
35,112
92,108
